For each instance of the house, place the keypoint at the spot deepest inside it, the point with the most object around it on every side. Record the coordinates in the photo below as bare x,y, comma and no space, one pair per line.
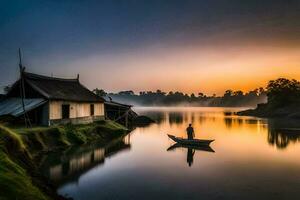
48,101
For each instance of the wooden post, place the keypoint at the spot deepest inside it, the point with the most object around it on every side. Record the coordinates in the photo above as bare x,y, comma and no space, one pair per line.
22,89
126,119
119,114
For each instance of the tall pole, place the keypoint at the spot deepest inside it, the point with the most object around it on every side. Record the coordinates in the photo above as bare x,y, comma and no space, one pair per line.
22,88
20,59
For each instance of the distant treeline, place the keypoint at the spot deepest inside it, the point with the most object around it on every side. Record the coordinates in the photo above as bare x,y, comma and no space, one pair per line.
283,100
160,98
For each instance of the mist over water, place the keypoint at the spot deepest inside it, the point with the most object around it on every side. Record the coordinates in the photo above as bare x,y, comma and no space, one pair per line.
179,99
251,158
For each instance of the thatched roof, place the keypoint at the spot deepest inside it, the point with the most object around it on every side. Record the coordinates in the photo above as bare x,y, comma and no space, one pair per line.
57,88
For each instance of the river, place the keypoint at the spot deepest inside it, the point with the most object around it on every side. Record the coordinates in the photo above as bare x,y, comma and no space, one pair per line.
251,158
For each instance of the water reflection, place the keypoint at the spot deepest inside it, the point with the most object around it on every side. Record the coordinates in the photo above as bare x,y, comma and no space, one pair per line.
234,122
281,133
69,165
249,151
190,151
190,156
159,117
176,118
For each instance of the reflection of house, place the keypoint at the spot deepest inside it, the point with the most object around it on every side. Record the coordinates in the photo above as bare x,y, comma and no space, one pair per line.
72,166
48,101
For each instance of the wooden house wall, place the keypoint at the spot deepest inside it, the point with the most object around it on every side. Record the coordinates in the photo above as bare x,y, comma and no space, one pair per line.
77,109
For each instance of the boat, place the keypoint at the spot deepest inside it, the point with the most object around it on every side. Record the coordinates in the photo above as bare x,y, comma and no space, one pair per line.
194,147
194,142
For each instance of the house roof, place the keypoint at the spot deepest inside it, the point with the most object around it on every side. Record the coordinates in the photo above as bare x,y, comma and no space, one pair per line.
109,101
113,103
60,89
14,107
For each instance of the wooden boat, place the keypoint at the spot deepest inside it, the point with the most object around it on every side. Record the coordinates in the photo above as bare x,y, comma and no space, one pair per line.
194,142
194,147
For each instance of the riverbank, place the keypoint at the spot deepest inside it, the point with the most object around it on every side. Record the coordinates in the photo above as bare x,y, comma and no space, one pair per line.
20,147
265,110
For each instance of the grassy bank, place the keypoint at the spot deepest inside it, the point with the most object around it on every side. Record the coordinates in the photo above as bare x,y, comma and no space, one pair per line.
19,146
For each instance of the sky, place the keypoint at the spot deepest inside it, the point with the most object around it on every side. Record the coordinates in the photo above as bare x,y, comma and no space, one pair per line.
191,46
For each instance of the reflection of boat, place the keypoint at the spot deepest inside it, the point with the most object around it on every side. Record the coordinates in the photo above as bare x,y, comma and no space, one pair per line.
199,148
194,142
190,149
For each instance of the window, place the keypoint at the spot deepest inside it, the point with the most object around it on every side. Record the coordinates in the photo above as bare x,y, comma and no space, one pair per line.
65,111
92,109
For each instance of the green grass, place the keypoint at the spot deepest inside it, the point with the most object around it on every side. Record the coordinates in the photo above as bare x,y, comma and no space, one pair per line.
15,183
7,133
49,138
18,145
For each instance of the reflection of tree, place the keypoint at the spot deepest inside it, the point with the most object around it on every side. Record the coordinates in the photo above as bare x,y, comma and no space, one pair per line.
240,121
280,136
231,121
175,118
252,121
193,117
228,122
202,119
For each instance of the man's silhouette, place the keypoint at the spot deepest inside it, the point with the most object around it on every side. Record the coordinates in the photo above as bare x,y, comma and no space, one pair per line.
190,132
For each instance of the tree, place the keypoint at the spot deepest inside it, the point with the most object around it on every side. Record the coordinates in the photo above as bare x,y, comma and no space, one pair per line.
261,91
283,91
200,94
99,92
238,93
159,92
228,93
128,92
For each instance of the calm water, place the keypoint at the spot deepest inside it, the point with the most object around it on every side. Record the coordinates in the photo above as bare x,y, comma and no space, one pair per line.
253,159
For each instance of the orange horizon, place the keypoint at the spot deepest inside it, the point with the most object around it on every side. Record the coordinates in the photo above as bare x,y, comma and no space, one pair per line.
191,69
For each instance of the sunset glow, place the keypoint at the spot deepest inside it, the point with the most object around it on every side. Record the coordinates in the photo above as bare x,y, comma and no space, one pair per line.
192,70
209,48
150,99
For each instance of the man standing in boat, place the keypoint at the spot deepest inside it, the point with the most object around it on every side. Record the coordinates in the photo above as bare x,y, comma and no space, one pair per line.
190,132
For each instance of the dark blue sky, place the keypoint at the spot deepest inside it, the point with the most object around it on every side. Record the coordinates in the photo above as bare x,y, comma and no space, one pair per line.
55,34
